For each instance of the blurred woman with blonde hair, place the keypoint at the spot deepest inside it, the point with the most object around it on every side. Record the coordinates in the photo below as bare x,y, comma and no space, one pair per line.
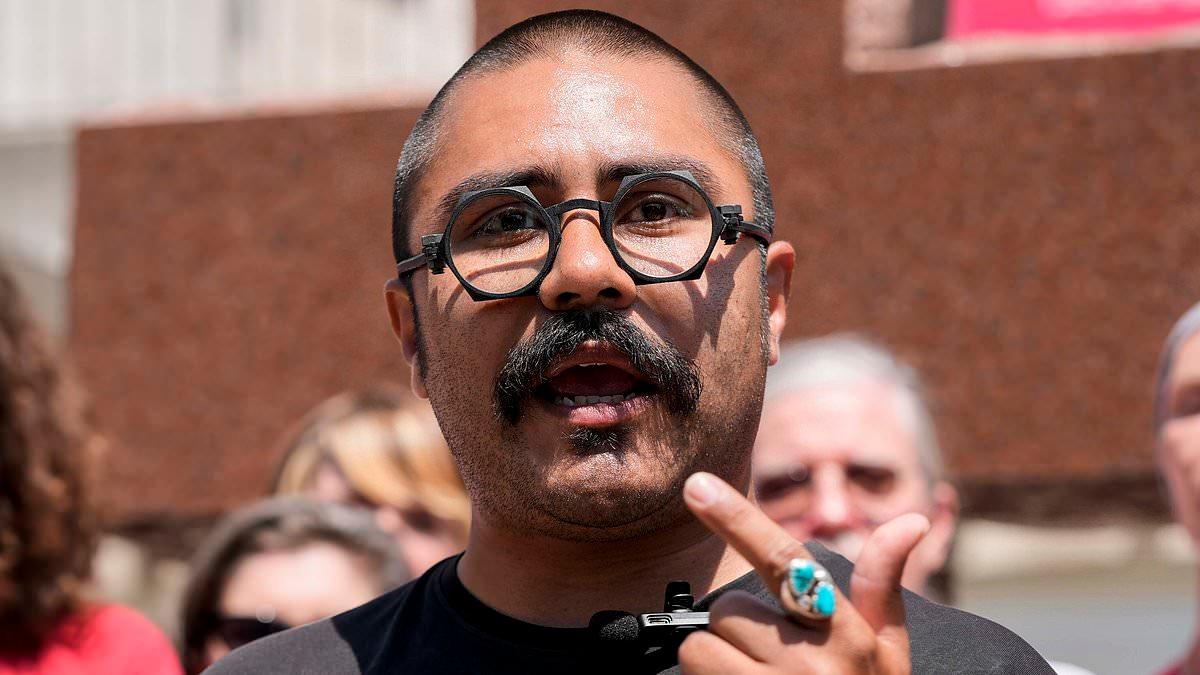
379,449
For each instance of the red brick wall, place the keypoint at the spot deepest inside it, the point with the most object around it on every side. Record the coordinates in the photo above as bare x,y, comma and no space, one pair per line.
1025,233
228,275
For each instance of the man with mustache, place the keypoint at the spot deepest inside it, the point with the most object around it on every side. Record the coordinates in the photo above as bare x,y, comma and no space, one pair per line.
589,296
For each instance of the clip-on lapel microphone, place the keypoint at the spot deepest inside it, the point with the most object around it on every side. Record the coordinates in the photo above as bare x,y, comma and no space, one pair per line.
661,629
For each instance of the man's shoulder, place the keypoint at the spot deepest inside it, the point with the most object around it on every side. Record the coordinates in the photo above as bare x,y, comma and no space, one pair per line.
325,647
312,649
947,640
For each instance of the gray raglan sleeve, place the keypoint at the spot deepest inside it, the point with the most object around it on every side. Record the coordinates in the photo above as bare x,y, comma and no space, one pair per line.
947,640
314,649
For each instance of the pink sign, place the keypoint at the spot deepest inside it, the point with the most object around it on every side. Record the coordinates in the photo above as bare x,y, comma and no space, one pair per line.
973,18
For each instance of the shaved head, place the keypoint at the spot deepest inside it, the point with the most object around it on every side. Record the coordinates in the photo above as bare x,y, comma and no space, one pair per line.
552,36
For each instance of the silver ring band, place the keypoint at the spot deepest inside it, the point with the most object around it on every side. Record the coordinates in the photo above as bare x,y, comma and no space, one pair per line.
808,591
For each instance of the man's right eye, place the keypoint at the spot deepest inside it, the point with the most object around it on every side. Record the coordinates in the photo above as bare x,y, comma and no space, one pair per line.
504,223
421,520
1186,402
768,488
507,224
495,219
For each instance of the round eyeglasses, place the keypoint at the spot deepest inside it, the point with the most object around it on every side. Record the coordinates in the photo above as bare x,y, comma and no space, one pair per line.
501,242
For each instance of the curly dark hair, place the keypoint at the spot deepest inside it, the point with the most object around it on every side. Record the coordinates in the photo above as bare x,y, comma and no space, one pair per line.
48,529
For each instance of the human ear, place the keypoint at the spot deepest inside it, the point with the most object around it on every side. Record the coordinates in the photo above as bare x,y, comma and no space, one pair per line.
404,326
943,521
781,259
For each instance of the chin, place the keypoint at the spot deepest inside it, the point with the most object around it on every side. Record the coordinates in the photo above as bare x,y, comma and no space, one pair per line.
549,477
610,496
589,524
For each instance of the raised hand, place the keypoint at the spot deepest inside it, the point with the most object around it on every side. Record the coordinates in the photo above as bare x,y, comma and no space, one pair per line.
747,635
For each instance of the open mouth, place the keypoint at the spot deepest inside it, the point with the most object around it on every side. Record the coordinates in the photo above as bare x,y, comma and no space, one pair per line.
594,376
592,384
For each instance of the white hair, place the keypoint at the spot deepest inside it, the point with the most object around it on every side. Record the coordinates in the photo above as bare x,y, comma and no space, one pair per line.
846,359
1187,326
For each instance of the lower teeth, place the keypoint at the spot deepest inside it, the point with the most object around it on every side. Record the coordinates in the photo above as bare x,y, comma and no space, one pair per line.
572,402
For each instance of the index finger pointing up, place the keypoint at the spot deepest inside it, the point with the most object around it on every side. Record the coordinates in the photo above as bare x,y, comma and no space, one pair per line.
725,511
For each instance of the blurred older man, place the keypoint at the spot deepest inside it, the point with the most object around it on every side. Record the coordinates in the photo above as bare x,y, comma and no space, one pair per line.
1177,424
845,444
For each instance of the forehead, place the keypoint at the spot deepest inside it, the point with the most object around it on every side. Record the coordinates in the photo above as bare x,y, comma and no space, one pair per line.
285,576
571,114
853,422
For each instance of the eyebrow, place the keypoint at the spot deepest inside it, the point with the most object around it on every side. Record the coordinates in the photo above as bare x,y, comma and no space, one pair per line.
613,172
543,176
533,176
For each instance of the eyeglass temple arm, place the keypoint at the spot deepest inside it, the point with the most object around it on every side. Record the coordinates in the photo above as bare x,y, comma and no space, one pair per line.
431,254
734,225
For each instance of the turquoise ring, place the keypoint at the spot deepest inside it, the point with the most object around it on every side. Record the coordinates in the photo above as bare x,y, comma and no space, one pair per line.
808,593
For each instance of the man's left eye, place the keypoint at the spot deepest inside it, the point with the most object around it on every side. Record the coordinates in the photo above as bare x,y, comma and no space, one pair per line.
654,210
871,478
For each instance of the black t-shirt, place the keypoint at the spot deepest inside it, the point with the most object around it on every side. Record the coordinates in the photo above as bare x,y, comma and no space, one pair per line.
435,625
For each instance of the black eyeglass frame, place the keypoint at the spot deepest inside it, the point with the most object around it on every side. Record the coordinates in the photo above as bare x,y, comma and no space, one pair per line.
727,225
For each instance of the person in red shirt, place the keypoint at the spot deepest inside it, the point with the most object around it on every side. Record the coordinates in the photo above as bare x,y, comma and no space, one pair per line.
99,640
48,528
1177,430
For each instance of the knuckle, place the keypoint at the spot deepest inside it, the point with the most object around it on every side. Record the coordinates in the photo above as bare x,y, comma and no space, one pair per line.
692,651
862,647
873,580
782,550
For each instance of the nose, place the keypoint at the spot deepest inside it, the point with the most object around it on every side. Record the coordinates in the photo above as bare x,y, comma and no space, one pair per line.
585,273
832,511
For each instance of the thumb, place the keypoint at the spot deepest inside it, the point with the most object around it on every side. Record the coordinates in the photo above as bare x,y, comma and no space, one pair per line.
875,585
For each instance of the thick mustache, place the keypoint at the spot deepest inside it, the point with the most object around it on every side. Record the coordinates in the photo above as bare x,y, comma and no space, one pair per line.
673,375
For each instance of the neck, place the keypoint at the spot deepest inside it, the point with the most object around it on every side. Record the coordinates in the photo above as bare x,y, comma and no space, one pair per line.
554,582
